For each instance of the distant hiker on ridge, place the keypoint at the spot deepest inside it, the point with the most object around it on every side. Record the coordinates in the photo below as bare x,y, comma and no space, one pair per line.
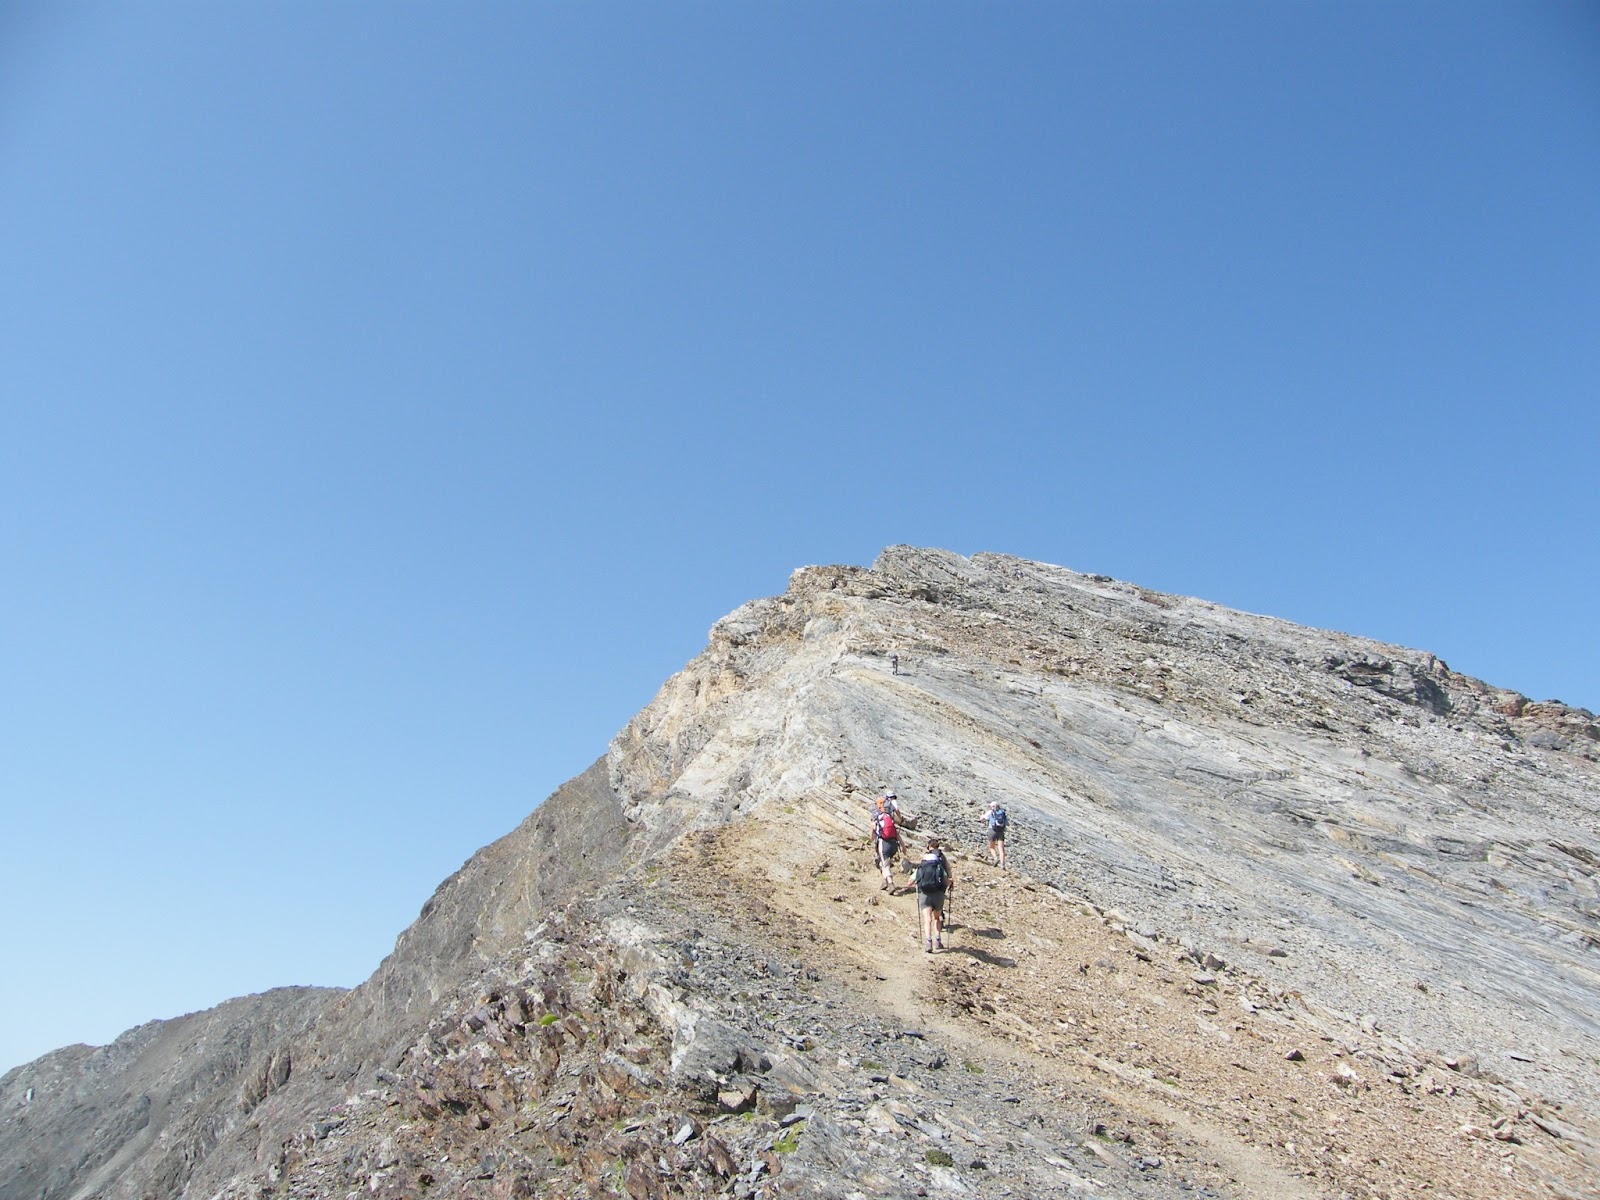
886,839
934,882
997,821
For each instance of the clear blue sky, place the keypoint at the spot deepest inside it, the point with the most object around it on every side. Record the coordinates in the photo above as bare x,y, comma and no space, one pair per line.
393,394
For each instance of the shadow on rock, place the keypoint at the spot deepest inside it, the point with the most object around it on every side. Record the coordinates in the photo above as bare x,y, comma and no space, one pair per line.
994,960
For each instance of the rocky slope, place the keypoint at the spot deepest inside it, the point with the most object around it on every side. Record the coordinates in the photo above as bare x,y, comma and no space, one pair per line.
133,1117
1288,913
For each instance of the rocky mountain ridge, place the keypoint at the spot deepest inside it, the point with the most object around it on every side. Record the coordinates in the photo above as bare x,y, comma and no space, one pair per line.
1290,913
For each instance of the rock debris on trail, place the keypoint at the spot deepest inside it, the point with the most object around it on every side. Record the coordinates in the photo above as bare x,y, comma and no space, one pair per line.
1286,913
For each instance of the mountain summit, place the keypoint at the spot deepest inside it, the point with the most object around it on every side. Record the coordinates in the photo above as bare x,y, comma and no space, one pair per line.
1286,913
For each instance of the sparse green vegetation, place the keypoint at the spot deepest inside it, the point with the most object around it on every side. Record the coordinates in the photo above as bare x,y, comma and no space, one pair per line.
788,1141
975,1068
549,1018
938,1158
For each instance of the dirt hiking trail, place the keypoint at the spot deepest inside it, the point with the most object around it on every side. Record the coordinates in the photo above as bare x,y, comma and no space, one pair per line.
1250,1092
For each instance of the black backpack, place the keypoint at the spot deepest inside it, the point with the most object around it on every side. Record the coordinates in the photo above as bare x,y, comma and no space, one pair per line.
931,874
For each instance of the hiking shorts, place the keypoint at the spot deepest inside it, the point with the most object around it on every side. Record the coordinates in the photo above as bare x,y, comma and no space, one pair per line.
933,900
997,833
888,848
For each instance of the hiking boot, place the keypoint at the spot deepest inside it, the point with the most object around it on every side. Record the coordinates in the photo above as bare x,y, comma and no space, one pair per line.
939,945
928,949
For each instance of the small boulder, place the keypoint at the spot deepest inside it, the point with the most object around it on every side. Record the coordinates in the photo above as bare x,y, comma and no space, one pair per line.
737,1100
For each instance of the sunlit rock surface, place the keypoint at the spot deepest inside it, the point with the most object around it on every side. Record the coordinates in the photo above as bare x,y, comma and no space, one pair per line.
1287,912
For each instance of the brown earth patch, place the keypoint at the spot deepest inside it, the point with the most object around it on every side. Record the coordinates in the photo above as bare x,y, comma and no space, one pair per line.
1253,1090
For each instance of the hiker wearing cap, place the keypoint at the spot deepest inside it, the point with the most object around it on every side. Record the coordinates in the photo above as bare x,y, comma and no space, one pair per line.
885,840
934,883
889,803
997,821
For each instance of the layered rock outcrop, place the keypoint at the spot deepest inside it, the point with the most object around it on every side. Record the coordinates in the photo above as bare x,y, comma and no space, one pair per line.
1288,912
132,1118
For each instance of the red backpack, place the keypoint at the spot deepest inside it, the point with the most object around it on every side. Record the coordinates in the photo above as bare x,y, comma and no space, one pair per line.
886,830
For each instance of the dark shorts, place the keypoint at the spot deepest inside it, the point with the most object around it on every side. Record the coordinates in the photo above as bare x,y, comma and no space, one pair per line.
888,848
933,900
997,835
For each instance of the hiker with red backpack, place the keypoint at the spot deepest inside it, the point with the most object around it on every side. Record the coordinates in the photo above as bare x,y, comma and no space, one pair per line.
886,839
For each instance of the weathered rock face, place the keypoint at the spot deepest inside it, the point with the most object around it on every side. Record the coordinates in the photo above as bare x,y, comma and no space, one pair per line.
132,1118
1288,912
1233,779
